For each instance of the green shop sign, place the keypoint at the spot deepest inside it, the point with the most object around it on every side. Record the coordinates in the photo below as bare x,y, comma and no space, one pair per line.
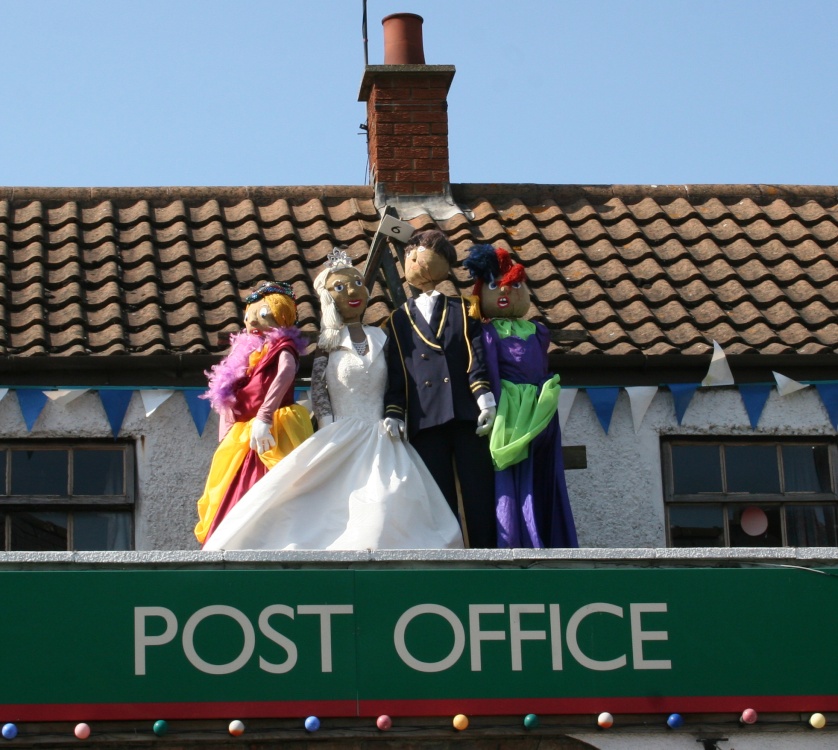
134,644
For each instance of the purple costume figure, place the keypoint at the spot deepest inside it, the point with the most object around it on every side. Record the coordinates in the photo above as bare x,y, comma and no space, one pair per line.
531,501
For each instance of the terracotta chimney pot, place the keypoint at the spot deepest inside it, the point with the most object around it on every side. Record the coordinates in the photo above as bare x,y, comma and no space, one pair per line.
403,39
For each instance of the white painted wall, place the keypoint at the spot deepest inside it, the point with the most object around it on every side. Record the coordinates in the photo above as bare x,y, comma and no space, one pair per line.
617,500
172,459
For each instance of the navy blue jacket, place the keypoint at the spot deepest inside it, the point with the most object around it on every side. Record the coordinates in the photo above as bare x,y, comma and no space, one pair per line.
436,371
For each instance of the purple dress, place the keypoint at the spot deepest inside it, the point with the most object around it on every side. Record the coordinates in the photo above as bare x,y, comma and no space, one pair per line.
531,502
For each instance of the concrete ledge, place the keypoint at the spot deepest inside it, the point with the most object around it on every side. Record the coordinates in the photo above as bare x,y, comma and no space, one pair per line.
804,557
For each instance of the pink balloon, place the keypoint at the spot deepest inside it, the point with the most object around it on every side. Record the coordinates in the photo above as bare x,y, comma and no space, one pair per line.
754,521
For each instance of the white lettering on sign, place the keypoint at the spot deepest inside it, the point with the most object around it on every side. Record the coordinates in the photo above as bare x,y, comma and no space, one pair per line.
573,644
518,634
638,635
425,666
513,625
286,643
219,610
325,611
142,639
512,628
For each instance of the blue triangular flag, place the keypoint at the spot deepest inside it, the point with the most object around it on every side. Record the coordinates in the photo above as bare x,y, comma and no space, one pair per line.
31,405
754,396
829,395
604,400
682,394
199,408
116,403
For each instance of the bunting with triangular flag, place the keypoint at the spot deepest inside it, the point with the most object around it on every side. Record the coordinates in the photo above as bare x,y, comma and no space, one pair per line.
66,396
199,408
566,398
604,400
32,403
154,398
719,371
829,395
682,394
786,386
640,398
116,401
754,396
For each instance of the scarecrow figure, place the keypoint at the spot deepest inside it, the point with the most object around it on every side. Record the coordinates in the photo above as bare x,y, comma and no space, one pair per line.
531,501
252,389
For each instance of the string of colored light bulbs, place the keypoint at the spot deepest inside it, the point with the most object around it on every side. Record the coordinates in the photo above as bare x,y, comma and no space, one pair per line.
384,723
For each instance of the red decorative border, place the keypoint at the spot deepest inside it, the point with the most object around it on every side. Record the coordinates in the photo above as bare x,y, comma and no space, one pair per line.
442,707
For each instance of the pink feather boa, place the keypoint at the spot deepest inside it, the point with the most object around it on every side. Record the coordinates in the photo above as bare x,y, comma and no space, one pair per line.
229,374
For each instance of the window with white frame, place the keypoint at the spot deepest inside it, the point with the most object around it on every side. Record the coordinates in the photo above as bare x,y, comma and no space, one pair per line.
751,493
66,496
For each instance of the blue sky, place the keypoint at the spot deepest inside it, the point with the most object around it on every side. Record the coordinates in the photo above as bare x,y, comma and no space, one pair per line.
264,92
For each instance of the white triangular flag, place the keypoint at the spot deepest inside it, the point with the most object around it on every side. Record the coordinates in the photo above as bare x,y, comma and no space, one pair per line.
154,398
566,398
787,385
640,397
3,392
67,396
719,372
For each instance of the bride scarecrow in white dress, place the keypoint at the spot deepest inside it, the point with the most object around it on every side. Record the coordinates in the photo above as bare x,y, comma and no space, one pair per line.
350,485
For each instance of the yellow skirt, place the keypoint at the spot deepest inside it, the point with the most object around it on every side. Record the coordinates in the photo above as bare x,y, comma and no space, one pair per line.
291,426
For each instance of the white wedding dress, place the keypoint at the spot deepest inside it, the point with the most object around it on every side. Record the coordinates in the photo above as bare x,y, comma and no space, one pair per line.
350,486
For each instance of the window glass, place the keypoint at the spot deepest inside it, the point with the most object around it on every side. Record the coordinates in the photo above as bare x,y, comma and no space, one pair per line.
39,472
806,468
37,532
696,469
105,530
696,525
752,469
97,472
755,526
811,526
2,472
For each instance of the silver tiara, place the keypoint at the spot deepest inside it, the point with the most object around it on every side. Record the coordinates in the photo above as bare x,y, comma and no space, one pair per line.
338,259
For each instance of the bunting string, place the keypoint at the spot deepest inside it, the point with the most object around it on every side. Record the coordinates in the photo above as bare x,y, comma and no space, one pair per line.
116,400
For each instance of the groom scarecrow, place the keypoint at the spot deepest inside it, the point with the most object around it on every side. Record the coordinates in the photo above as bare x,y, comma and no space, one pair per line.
438,393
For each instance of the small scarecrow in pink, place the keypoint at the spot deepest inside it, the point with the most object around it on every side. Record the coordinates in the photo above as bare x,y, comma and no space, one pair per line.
252,389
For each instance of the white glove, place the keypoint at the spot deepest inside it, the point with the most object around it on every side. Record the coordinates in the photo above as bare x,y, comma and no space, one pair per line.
394,427
485,420
261,439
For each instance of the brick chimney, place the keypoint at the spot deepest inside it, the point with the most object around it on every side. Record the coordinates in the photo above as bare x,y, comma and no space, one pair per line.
407,114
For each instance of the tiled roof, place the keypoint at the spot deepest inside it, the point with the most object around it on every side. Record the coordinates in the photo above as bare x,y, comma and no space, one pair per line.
634,270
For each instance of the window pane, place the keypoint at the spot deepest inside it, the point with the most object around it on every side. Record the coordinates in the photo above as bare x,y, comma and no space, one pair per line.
752,469
3,455
811,526
806,468
37,532
746,531
109,531
696,525
696,468
41,472
97,472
